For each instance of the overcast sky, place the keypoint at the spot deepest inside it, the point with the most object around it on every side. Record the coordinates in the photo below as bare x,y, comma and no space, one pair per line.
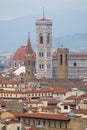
10,9
68,16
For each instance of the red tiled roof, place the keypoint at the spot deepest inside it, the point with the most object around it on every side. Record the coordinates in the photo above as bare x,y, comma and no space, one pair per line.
80,111
50,107
49,89
77,56
11,92
46,116
73,97
50,100
70,103
20,54
10,82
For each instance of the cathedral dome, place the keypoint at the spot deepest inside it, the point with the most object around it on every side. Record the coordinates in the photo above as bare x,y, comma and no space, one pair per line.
20,54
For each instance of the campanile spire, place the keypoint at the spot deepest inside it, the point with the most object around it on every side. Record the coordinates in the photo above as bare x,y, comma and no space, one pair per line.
43,14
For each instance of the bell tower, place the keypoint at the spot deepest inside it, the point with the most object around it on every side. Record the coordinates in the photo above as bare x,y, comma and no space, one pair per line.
63,63
29,67
44,47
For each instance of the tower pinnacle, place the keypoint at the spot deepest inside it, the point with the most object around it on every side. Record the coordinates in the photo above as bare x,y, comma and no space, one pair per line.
43,14
29,47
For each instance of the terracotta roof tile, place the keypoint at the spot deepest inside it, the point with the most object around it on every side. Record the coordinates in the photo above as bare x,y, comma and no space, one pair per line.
70,103
49,89
46,116
73,97
77,56
20,54
80,111
10,82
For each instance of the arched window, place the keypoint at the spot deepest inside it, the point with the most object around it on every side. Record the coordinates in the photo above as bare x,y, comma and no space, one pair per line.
48,38
41,38
75,64
61,59
66,59
28,62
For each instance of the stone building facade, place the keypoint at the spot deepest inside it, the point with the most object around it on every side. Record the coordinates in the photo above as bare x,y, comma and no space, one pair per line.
76,66
63,63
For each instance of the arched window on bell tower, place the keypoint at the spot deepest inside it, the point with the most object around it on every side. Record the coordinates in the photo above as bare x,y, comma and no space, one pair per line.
61,59
41,38
66,59
48,38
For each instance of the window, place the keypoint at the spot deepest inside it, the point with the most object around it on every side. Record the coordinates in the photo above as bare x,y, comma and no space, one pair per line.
54,124
29,62
48,66
61,59
38,122
28,72
18,128
15,64
41,54
43,122
49,123
72,106
48,54
48,39
66,59
65,124
22,80
41,66
65,107
41,39
60,124
75,64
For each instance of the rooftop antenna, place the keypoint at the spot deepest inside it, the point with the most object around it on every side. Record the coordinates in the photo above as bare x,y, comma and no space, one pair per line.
62,46
43,14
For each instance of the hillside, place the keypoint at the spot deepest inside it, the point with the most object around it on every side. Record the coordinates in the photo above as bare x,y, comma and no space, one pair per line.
76,42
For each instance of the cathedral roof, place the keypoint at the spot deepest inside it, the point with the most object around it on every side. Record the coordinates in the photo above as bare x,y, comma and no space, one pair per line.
20,54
